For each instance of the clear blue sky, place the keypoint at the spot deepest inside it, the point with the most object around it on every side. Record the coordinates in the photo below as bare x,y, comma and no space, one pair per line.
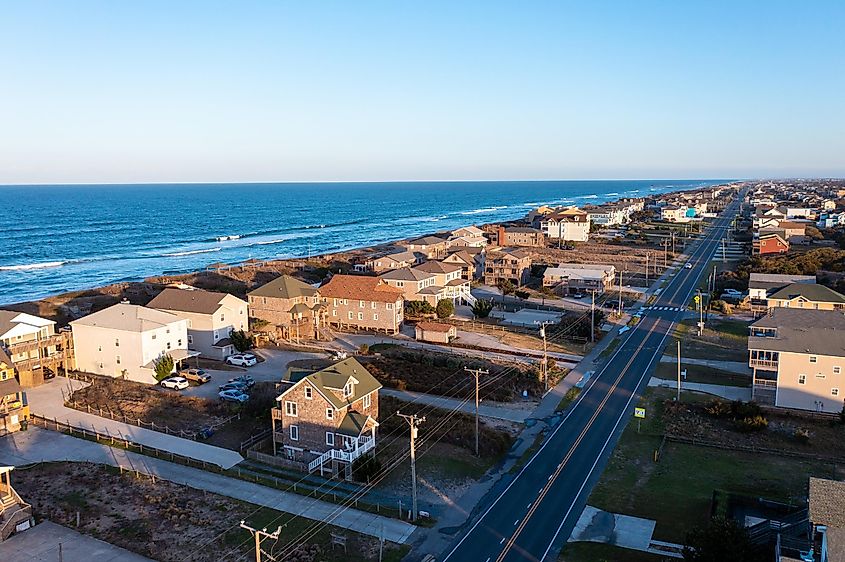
356,90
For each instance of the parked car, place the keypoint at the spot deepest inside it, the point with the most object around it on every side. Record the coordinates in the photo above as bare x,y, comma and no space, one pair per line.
688,265
175,383
578,296
196,375
242,359
233,396
234,386
339,355
244,379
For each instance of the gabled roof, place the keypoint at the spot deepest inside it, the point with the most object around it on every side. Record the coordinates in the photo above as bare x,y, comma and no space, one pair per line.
434,327
775,280
334,378
405,256
128,318
360,287
20,323
405,274
354,424
189,300
427,241
810,291
285,287
461,256
438,267
827,502
516,253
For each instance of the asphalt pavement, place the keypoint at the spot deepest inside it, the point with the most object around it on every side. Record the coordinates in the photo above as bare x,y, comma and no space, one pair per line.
529,517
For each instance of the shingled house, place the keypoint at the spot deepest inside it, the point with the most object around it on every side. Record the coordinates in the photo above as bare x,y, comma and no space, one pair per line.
291,305
324,420
360,302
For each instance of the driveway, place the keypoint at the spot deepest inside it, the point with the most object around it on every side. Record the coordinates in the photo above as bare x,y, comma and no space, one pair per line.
270,370
42,542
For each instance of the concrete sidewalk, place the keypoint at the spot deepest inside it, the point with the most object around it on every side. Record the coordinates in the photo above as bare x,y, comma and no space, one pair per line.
47,401
41,544
493,410
731,366
39,445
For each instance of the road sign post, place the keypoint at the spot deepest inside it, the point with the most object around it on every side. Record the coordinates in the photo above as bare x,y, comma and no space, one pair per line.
639,413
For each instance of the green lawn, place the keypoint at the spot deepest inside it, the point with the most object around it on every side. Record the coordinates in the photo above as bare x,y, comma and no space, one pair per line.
596,552
725,340
677,490
611,347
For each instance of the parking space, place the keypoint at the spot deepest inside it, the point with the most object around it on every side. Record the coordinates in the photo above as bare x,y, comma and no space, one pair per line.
270,370
528,317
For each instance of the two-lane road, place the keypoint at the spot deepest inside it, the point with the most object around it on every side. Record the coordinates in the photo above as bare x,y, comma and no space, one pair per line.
535,513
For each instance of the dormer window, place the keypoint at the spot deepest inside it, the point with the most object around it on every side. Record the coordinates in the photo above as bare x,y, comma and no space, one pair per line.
348,389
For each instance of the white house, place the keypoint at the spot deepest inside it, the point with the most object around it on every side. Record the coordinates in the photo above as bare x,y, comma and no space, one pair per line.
572,225
211,318
126,340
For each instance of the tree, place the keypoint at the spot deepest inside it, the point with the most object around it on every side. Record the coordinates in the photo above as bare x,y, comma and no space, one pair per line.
723,540
482,308
164,367
520,294
418,308
507,287
241,340
445,308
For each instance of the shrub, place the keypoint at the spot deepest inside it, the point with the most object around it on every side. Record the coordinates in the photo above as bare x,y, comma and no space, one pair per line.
802,435
445,308
740,409
718,409
163,367
241,340
364,468
482,308
520,294
418,308
751,424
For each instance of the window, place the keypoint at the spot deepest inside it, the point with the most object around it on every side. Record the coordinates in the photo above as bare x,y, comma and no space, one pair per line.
802,379
820,376
374,305
330,439
351,315
222,317
389,305
99,348
360,304
334,302
348,389
168,345
334,312
290,409
117,342
367,401
360,316
190,323
834,392
329,413
813,358
837,370
190,339
308,393
179,342
375,317
294,433
154,336
117,359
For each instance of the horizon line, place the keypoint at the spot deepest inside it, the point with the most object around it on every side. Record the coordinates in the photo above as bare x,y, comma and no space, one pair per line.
268,182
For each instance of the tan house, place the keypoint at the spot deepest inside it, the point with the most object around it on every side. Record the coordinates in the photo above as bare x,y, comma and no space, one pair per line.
392,261
324,420
807,296
570,225
292,306
468,237
435,332
14,409
359,302
126,341
432,247
410,281
450,277
507,264
211,318
32,344
798,357
468,263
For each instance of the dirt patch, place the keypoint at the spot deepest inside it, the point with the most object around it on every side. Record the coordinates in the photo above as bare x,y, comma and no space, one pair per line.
438,373
168,522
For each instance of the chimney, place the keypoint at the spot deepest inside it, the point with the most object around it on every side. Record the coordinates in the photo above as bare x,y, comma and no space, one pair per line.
500,235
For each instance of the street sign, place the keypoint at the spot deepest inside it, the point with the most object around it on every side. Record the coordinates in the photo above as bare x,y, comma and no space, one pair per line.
639,413
696,298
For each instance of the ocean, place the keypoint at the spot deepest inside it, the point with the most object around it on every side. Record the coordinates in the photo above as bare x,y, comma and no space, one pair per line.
62,238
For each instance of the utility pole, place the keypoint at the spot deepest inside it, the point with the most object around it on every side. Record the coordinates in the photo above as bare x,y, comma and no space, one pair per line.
413,422
261,534
478,372
545,360
646,268
679,370
620,293
673,243
593,317
700,303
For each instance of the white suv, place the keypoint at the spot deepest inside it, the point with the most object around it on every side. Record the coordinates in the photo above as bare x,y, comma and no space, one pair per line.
176,383
242,359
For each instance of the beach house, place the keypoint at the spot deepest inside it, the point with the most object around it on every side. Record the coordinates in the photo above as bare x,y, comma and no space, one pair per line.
507,264
292,306
569,225
33,346
14,409
358,302
325,419
127,340
432,247
211,318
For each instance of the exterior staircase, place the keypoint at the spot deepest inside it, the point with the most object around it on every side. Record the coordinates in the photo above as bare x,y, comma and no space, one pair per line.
469,299
13,512
341,455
